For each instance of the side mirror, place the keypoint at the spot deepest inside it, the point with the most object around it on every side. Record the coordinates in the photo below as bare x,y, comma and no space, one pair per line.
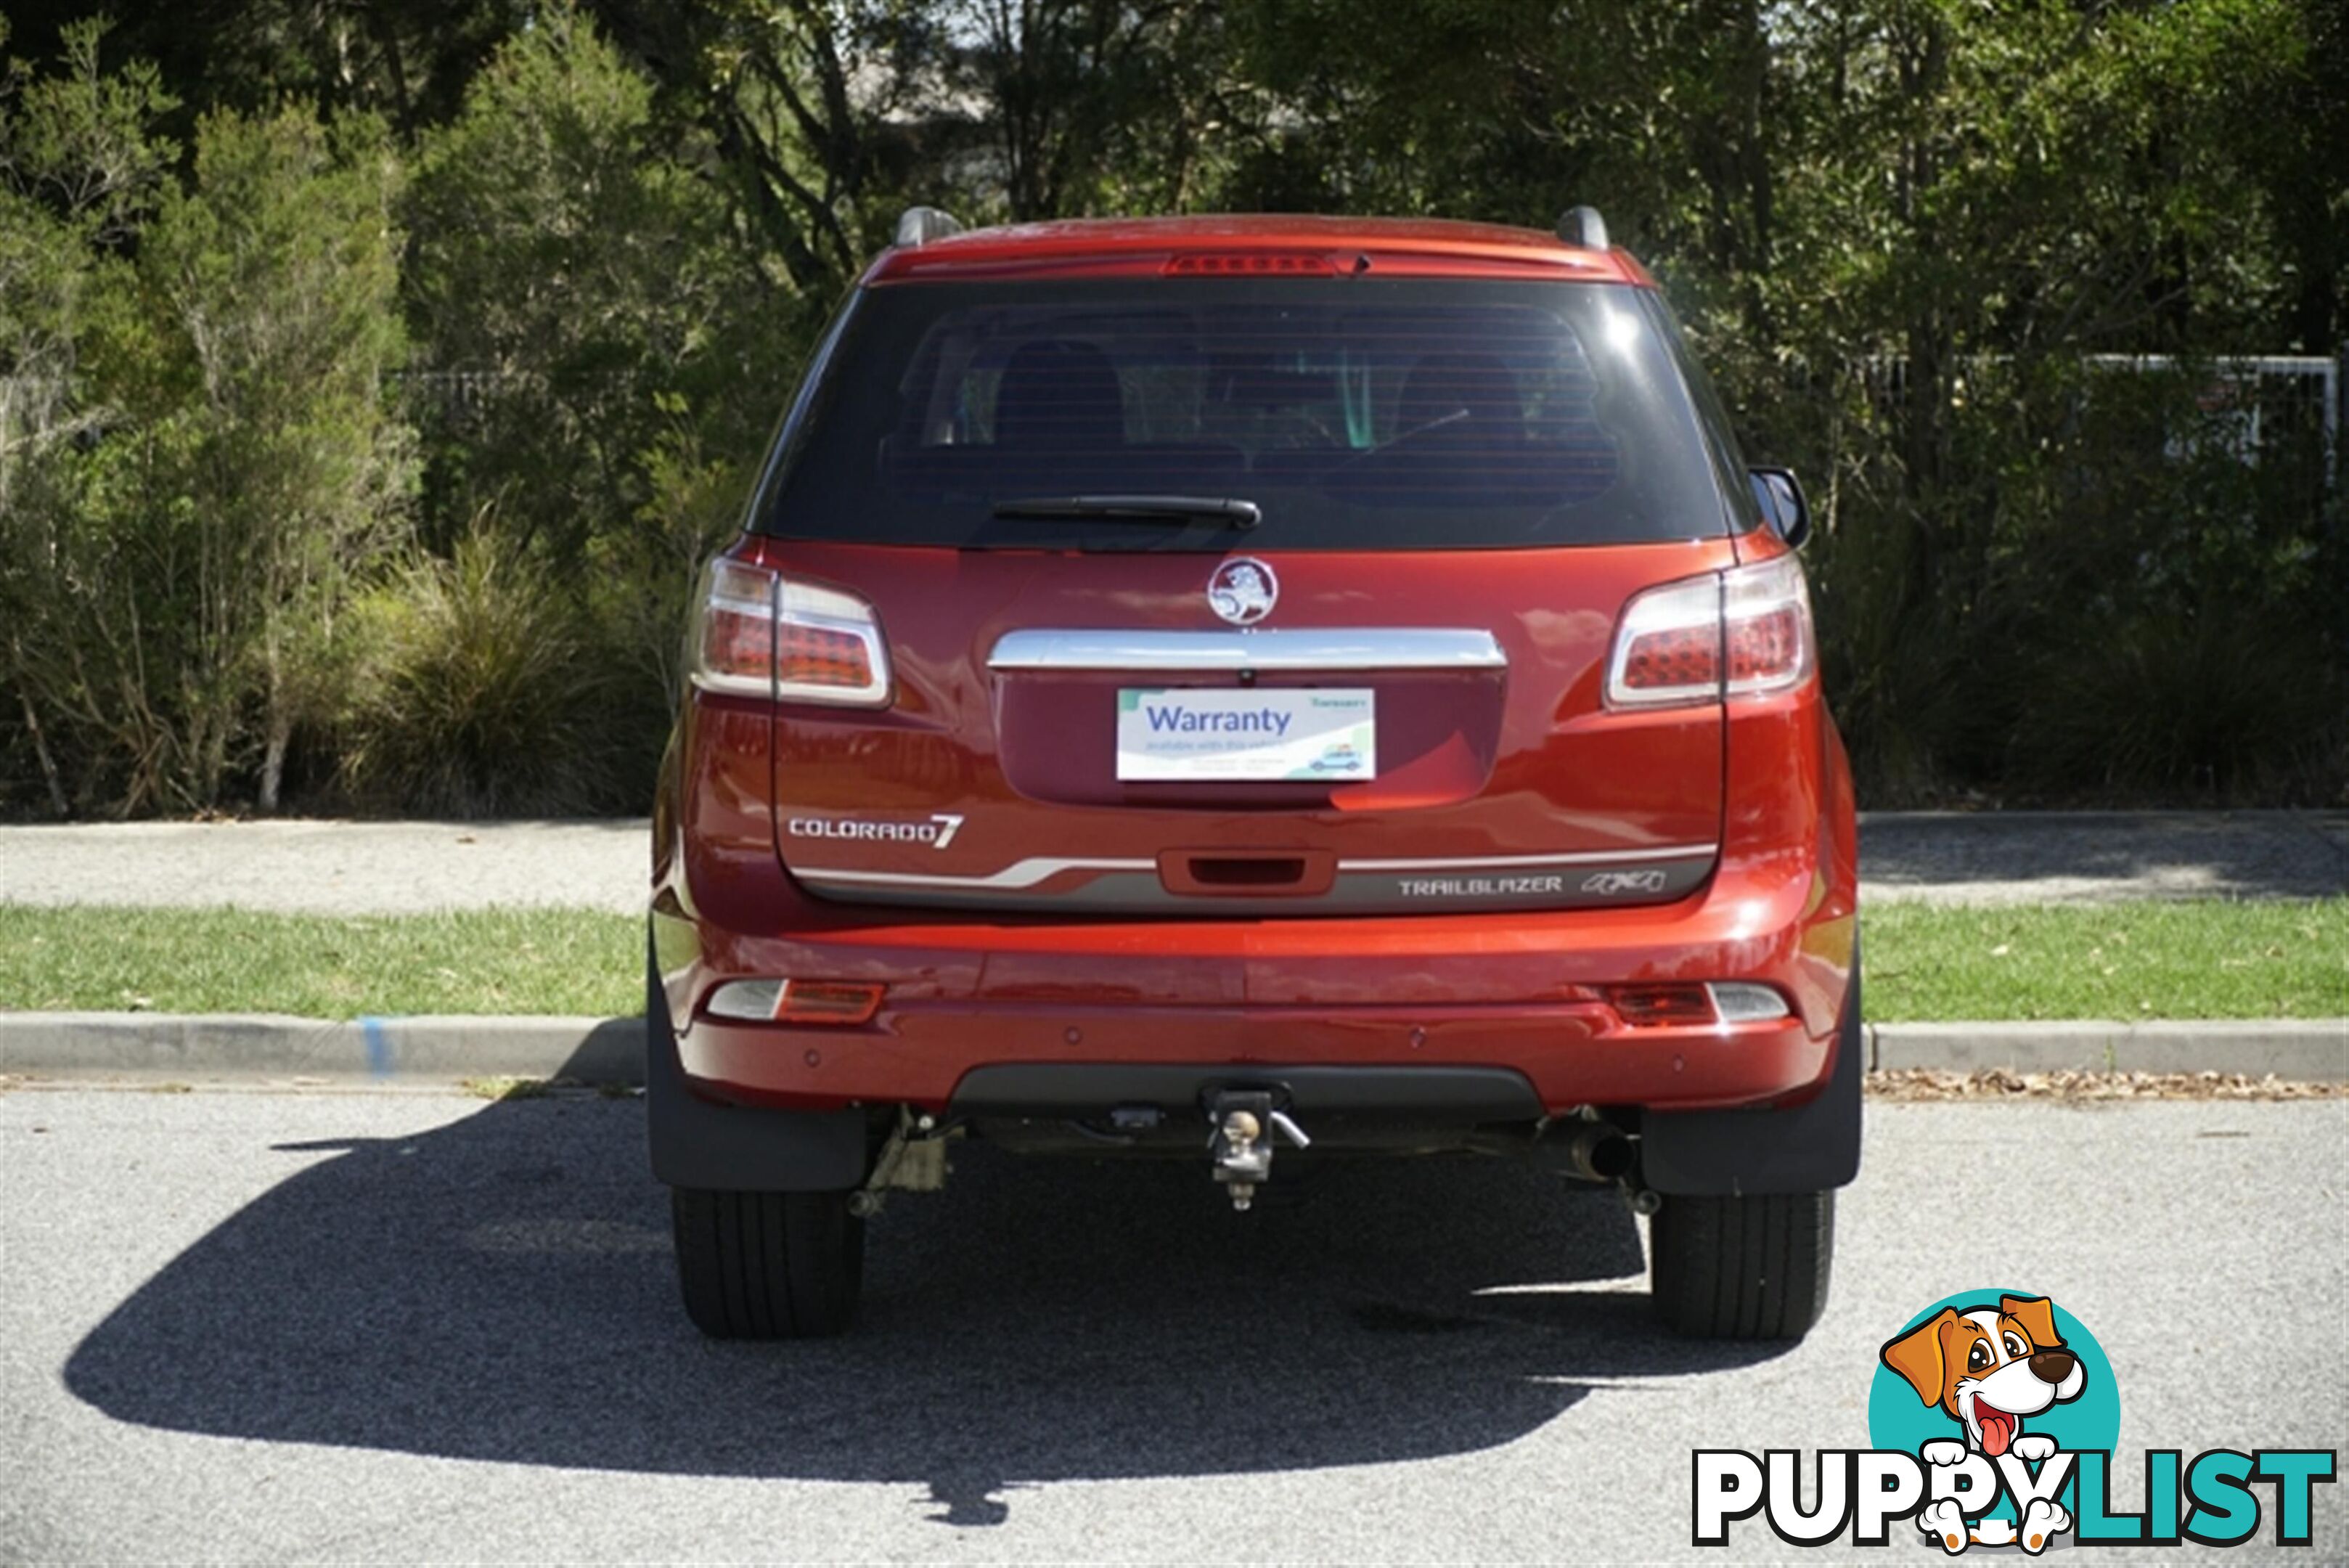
1781,495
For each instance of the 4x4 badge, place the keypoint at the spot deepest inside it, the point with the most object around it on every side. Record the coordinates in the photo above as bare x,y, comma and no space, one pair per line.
1243,590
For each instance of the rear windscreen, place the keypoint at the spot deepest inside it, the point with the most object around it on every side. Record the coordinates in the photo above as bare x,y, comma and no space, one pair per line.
1353,413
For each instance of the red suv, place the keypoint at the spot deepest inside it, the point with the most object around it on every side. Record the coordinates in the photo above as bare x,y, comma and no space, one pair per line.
1245,690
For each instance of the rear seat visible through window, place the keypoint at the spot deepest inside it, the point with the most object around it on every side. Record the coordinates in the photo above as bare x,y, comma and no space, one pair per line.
1355,414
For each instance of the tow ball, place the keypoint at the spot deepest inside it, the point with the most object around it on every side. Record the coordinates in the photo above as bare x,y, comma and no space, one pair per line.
1241,1142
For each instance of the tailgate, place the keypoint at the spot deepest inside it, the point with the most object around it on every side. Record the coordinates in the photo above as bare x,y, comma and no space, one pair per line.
1397,731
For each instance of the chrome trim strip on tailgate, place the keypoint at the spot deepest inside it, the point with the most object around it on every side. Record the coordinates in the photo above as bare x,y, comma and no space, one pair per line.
1028,873
1535,862
1302,647
1020,874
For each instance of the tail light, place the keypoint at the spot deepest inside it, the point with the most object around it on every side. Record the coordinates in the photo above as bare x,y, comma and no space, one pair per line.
1739,633
1697,1002
797,1001
758,634
1651,1005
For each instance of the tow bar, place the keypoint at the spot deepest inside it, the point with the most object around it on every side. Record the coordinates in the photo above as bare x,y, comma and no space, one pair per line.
1241,1142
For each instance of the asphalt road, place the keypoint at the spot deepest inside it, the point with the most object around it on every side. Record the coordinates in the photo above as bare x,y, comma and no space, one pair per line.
396,1326
398,868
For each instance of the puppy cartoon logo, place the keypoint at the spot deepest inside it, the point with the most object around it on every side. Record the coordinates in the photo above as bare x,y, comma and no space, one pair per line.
1991,1421
1988,1368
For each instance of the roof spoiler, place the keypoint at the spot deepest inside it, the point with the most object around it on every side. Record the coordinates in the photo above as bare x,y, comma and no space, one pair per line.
920,225
1581,226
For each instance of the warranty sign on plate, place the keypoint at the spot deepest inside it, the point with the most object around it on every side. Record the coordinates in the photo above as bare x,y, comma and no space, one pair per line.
1326,736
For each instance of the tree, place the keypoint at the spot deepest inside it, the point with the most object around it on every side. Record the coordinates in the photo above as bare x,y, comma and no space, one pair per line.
80,172
1090,106
810,108
405,60
275,279
177,568
580,276
1896,227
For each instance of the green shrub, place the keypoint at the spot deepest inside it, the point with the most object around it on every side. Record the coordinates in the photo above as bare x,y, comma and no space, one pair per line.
637,593
2229,704
2093,599
486,697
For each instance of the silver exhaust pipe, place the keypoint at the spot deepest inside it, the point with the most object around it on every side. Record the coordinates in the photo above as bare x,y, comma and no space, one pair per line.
1601,1152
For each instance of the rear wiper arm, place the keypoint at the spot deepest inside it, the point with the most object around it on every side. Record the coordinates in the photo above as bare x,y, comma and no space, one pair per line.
1230,513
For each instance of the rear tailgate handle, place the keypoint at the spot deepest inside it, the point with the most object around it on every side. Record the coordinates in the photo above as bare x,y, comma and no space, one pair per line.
1248,873
1312,650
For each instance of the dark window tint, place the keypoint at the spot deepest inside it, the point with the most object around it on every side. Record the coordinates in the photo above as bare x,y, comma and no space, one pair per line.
1355,414
1743,490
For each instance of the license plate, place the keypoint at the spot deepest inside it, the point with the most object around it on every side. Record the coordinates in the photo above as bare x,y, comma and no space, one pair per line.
1176,733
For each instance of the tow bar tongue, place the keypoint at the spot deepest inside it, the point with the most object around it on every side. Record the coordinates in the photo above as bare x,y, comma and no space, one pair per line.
1241,1143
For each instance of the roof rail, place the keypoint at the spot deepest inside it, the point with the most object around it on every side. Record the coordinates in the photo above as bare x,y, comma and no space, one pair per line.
1583,226
920,225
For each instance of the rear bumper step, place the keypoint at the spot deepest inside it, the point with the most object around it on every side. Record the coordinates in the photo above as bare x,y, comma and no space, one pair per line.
1427,1097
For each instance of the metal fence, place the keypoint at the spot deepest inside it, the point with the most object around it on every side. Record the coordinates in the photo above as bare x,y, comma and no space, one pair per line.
2256,409
2253,402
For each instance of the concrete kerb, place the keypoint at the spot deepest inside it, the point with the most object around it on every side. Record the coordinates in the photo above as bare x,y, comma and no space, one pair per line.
201,1046
210,1046
2305,1049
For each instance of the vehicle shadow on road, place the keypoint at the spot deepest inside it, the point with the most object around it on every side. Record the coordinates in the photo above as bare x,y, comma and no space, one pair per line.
501,1288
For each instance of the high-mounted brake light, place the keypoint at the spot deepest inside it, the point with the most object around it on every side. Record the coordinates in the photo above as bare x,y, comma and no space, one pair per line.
1743,632
1252,263
758,634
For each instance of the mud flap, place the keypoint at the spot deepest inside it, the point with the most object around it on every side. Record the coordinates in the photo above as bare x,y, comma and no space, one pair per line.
700,1144
1808,1148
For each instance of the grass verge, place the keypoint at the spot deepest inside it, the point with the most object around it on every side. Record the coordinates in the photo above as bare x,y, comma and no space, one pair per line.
2205,960
2275,959
320,966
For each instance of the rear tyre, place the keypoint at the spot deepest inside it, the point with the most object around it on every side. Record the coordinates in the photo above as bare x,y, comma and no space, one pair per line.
768,1265
1742,1268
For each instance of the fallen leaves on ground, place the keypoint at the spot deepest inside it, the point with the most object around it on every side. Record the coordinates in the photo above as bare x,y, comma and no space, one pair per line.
1932,1083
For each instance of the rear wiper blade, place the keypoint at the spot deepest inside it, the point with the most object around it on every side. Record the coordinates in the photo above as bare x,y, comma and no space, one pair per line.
1230,513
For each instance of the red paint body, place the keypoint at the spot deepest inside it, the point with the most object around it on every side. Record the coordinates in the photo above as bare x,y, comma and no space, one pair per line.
1523,761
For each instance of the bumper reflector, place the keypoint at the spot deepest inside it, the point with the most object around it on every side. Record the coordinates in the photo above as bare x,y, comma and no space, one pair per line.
1739,1002
797,1001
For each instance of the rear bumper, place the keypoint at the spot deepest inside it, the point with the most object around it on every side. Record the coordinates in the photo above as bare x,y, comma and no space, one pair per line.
1519,994
922,1054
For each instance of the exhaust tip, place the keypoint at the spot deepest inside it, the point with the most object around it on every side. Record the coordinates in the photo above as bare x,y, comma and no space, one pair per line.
1601,1153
